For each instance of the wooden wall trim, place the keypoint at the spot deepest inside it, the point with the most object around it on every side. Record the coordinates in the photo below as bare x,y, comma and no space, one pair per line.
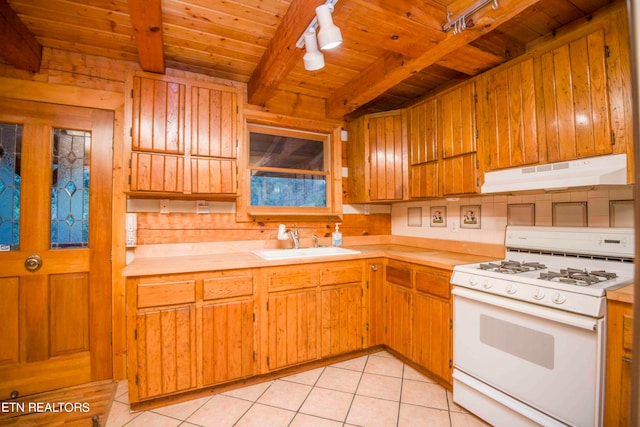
60,94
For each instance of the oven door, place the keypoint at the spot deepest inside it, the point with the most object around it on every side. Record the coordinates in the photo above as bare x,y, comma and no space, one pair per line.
547,359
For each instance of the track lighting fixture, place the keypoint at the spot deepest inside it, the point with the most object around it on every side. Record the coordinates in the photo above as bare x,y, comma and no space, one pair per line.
329,36
313,59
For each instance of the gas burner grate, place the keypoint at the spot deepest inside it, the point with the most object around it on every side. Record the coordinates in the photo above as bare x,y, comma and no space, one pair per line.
578,277
512,267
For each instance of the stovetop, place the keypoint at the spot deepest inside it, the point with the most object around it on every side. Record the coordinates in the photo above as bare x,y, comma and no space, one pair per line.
568,269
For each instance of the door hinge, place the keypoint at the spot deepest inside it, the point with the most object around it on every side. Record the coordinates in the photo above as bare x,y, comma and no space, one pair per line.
477,164
129,179
613,138
132,93
135,334
475,97
254,356
362,340
366,326
450,324
607,52
367,284
254,318
130,131
237,109
267,305
136,379
477,134
450,363
268,361
361,292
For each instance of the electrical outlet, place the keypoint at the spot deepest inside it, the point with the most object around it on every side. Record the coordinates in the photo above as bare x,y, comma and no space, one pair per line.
165,206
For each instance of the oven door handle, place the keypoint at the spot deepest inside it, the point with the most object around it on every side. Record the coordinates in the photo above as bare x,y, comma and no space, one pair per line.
552,314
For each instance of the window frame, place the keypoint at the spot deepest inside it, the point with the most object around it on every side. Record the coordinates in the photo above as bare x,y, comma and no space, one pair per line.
329,134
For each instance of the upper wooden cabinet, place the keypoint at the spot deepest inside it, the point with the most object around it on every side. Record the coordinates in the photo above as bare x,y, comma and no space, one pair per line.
184,136
457,120
509,118
566,99
377,156
576,99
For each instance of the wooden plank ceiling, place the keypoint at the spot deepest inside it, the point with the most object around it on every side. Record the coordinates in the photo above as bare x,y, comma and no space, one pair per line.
393,53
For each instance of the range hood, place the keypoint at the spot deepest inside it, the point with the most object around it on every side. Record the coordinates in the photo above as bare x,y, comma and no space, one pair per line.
603,170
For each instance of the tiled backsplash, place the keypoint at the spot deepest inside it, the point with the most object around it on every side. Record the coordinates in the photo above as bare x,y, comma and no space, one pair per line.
494,217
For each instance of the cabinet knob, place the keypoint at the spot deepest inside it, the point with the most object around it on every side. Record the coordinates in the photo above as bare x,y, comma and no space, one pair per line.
374,267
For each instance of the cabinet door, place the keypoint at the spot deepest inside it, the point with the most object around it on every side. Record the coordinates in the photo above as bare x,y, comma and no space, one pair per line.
158,116
228,341
386,152
293,329
510,134
166,351
457,121
213,123
422,132
157,172
432,335
213,176
576,99
398,326
341,319
459,175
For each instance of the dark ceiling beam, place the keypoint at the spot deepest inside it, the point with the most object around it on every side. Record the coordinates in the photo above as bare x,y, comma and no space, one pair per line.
146,18
19,46
393,68
281,54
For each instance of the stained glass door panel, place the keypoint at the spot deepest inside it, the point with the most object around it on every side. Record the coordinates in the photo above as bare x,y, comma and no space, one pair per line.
10,156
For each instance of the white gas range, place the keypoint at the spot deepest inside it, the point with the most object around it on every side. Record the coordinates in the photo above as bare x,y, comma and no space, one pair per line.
529,330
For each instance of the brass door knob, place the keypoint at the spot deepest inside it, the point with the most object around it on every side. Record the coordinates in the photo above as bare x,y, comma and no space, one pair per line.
33,263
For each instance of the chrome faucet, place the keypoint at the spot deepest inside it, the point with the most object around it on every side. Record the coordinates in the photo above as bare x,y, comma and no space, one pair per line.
295,237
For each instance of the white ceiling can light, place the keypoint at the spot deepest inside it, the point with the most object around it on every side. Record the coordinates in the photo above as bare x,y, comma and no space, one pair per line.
329,35
313,59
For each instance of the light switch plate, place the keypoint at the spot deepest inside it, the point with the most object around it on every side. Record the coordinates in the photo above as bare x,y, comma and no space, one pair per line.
165,206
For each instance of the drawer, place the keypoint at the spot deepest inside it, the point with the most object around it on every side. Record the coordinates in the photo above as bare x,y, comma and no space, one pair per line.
347,272
283,280
398,275
627,332
166,293
435,283
228,286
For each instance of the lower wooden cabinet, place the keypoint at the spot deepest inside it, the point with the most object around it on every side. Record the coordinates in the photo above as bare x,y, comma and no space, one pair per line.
314,311
418,316
618,382
165,341
190,331
293,329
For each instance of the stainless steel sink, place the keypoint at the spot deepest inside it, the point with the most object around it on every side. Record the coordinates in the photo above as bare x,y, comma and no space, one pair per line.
275,254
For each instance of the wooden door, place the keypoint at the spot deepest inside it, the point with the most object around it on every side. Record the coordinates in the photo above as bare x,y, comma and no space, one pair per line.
510,133
386,153
423,142
55,204
398,326
432,335
341,319
459,175
576,99
166,351
293,329
457,121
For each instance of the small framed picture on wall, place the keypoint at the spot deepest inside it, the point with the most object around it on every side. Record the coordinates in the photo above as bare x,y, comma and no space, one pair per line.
438,216
470,216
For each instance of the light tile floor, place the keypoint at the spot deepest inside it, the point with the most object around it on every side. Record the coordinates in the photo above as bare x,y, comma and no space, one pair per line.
377,390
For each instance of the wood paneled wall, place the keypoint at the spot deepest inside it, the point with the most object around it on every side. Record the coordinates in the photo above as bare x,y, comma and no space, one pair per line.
155,228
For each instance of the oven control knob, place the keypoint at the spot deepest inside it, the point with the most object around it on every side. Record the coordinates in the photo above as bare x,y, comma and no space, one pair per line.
538,294
512,288
488,284
473,281
558,298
